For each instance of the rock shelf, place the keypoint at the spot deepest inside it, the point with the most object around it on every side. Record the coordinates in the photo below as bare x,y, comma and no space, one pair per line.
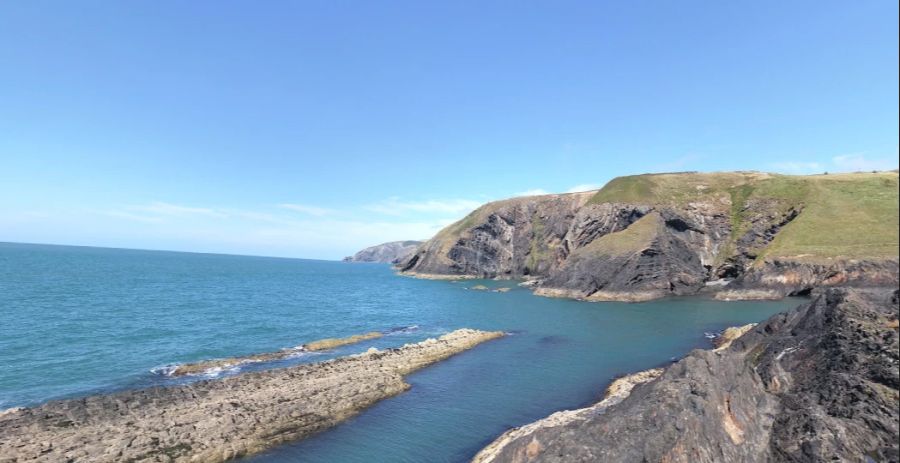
218,420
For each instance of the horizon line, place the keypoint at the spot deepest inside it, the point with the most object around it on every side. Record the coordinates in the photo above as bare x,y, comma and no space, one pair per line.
2,242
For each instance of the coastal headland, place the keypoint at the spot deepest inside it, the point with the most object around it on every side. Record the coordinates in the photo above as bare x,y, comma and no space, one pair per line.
739,235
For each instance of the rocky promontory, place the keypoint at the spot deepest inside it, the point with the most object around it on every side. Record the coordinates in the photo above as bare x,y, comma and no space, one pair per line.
385,253
746,235
818,383
217,420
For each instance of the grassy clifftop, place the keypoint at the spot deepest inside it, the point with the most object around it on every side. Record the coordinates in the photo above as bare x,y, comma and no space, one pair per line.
843,215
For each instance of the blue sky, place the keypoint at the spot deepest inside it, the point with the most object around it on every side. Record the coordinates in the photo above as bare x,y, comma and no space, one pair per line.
311,129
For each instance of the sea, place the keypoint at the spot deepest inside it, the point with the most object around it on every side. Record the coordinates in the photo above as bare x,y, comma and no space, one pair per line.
76,321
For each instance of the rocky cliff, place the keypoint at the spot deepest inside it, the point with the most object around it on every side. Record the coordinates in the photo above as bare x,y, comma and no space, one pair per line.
818,383
746,234
385,253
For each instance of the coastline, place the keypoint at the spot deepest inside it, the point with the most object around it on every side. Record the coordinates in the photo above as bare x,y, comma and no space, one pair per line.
776,391
436,276
601,296
217,420
618,390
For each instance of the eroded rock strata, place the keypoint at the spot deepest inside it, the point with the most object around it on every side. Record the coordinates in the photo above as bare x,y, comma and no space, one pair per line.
749,235
818,383
217,420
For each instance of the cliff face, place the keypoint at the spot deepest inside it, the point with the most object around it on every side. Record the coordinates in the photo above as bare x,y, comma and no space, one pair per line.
648,236
385,253
506,239
819,383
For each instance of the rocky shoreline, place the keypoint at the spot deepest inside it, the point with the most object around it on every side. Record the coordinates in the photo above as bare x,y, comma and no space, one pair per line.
817,383
218,420
618,390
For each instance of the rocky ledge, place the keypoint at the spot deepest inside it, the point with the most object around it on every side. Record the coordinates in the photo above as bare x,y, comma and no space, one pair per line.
217,420
221,364
818,383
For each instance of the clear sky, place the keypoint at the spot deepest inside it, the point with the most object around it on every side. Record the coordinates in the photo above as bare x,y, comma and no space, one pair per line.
314,128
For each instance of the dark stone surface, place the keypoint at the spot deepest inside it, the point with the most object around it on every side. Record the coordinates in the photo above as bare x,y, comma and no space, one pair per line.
818,383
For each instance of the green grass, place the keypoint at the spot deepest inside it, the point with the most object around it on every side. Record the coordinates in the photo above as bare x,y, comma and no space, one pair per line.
843,215
635,238
537,253
673,189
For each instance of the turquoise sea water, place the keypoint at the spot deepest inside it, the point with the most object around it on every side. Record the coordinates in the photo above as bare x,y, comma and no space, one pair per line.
76,320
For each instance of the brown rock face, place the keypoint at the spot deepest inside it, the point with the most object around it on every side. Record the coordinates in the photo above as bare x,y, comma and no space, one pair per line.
819,383
217,420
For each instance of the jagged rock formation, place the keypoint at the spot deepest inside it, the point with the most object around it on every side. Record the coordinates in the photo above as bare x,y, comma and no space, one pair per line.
217,420
510,238
648,236
385,253
818,383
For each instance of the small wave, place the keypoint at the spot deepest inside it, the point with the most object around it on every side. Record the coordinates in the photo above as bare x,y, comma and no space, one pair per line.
165,370
212,372
402,329
215,372
710,335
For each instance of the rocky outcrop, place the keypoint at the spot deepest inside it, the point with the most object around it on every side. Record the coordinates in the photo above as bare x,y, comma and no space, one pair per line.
777,278
217,420
505,239
617,391
731,334
385,253
654,256
643,237
221,364
818,383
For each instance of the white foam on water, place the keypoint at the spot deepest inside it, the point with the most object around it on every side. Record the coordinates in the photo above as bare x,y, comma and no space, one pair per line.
402,330
165,370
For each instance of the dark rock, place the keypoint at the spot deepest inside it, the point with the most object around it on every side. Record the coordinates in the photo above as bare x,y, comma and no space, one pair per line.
818,383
